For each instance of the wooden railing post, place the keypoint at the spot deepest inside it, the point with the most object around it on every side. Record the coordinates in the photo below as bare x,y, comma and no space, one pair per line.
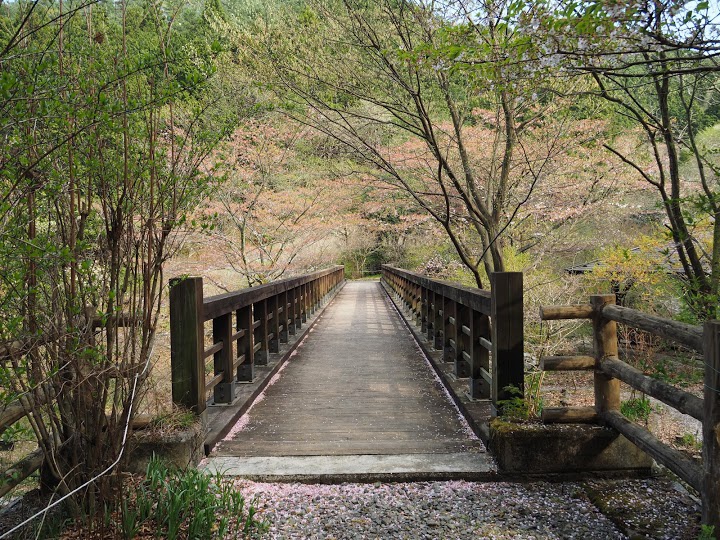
506,315
223,360
479,387
304,302
187,343
273,307
711,427
288,317
262,348
417,292
463,347
438,325
424,309
449,330
607,388
431,317
246,370
297,299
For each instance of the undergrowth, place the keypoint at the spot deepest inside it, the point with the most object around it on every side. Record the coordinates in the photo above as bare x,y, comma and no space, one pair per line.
179,504
169,503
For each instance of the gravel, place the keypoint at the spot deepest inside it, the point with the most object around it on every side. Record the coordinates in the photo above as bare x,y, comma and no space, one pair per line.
651,508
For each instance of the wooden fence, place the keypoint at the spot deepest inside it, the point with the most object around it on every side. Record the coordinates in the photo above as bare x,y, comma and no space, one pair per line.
247,326
480,331
609,370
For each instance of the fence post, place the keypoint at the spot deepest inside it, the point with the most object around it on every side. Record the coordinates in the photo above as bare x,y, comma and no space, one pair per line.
607,389
711,427
273,309
223,360
506,312
187,343
424,310
463,347
449,329
479,355
438,324
260,315
246,370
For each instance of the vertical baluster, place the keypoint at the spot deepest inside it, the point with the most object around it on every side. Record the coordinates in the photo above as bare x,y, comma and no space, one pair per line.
439,324
283,316
246,370
450,330
274,324
463,342
261,333
479,356
224,391
424,309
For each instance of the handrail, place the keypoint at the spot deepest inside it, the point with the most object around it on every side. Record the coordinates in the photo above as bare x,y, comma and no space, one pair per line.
221,304
247,326
480,331
610,370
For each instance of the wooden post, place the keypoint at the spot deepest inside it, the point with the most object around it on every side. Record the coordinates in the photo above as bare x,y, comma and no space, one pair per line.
303,302
417,292
424,309
292,313
187,343
283,314
223,360
246,370
449,330
261,345
607,388
438,325
506,314
298,306
711,427
463,345
479,388
273,307
430,332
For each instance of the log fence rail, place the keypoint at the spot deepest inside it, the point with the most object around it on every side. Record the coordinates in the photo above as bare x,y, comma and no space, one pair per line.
609,371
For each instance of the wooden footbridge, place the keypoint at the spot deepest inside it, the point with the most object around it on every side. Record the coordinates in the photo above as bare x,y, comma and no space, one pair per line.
400,377
355,379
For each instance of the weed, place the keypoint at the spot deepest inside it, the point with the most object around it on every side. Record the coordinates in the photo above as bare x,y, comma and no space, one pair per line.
515,407
707,532
689,441
637,409
174,503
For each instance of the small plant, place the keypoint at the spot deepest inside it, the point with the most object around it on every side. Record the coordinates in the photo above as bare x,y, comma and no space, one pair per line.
707,532
689,441
515,407
637,409
178,503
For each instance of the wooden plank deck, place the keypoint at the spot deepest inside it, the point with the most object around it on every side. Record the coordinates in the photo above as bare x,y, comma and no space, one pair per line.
357,385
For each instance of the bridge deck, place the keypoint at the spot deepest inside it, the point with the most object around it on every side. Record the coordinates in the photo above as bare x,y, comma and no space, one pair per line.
357,385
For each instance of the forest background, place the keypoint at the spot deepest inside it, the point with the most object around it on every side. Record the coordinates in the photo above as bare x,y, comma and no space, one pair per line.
249,141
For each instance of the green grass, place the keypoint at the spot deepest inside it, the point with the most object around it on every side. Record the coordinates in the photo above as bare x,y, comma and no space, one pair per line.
636,409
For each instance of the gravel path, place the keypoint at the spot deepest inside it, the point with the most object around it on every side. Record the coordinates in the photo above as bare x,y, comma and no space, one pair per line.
656,508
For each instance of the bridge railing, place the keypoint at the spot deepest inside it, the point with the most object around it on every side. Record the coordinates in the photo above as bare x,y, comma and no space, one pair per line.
609,371
480,331
247,325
